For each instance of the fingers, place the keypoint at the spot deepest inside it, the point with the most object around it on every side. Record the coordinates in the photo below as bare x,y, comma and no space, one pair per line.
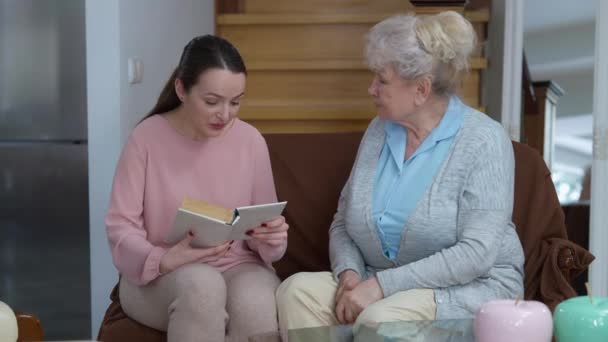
346,310
273,232
269,230
223,247
270,236
274,243
215,250
339,294
356,311
340,312
208,259
276,236
344,313
187,240
276,222
218,254
182,253
198,253
341,290
349,316
281,229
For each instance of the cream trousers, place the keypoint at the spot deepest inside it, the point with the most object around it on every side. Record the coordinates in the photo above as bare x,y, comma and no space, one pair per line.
307,300
197,303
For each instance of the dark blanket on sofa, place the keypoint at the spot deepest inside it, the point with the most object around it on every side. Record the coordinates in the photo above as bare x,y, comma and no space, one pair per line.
540,224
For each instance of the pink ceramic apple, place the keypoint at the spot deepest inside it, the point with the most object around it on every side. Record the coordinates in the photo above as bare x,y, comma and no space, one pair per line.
510,320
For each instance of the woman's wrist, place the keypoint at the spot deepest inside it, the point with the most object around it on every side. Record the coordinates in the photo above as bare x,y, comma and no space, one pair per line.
163,267
346,272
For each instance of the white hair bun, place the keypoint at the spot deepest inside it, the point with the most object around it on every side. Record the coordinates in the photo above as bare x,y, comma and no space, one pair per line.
448,36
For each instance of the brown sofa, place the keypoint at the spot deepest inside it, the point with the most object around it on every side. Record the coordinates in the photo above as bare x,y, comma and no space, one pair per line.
309,172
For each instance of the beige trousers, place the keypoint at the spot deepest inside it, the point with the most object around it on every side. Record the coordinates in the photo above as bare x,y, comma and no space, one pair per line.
198,303
307,300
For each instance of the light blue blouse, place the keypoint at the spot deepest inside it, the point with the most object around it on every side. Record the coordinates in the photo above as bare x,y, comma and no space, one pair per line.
399,183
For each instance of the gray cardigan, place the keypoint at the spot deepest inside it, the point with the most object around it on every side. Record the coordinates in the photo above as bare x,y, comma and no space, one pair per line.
459,241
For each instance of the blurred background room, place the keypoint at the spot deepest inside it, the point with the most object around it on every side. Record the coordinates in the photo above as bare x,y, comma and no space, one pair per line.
77,75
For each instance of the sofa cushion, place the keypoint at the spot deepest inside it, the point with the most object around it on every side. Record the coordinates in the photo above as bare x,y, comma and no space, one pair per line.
118,327
309,172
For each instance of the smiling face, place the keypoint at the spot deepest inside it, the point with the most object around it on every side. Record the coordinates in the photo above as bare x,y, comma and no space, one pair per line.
213,102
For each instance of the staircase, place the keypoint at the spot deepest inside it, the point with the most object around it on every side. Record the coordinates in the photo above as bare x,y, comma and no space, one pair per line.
305,60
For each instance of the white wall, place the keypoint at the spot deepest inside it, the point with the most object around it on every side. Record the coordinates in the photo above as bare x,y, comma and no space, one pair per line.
559,42
578,94
103,98
565,55
502,79
494,51
155,31
548,15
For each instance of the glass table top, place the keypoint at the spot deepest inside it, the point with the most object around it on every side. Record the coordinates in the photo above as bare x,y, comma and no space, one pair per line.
459,330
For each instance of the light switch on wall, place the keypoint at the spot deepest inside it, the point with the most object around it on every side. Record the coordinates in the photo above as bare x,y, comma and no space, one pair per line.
135,70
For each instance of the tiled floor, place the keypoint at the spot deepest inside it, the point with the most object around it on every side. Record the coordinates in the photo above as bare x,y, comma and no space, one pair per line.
44,270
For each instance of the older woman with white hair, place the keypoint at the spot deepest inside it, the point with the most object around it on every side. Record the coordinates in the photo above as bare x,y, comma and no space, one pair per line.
423,228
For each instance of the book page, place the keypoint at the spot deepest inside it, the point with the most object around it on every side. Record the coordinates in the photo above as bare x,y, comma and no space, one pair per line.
208,209
208,232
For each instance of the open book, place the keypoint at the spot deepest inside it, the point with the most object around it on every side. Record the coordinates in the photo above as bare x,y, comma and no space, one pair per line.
212,225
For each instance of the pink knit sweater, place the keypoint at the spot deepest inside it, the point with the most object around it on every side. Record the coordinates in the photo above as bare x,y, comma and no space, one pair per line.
159,167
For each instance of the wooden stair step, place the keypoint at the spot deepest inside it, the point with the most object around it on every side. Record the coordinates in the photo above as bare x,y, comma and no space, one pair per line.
300,19
309,126
294,64
323,6
322,18
288,110
305,60
296,43
303,42
325,85
308,85
328,64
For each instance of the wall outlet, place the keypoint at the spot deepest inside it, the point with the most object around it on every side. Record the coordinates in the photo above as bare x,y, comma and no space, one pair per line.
135,70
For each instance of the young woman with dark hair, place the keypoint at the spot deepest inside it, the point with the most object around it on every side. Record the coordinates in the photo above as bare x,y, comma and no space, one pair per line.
193,145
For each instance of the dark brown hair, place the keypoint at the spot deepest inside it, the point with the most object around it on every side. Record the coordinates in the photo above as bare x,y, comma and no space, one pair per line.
201,54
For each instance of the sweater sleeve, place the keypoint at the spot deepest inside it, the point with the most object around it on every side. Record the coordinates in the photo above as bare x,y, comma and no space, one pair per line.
484,214
133,255
343,252
264,192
